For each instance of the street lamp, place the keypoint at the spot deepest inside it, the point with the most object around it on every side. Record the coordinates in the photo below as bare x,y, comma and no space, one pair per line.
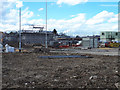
19,29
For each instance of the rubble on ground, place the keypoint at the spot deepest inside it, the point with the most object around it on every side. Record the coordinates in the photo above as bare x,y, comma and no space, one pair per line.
26,70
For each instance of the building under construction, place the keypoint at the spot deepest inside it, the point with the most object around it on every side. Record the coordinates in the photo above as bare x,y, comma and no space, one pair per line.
29,36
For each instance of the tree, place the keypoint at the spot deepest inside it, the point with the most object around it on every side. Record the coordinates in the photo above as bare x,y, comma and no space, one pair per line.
77,36
55,31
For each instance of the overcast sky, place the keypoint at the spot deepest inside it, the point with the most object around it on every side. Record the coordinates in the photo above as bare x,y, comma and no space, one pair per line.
73,17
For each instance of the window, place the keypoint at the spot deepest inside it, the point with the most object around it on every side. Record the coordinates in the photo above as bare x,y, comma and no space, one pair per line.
102,33
23,37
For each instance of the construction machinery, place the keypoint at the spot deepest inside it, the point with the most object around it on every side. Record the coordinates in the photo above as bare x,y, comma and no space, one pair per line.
115,44
112,44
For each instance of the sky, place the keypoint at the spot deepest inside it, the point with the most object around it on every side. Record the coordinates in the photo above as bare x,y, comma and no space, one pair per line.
72,17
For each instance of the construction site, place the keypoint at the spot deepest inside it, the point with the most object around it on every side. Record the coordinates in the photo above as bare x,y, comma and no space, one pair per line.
66,62
61,69
37,58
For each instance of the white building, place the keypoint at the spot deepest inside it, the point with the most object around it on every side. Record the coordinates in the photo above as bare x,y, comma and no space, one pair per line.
108,36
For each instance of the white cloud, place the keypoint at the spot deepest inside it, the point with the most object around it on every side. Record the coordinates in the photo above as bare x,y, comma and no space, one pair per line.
72,16
77,25
40,9
10,16
38,15
19,4
36,21
6,7
115,27
114,19
71,2
70,25
101,17
28,14
11,3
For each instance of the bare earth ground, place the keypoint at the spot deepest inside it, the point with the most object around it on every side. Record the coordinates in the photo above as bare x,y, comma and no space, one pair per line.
26,70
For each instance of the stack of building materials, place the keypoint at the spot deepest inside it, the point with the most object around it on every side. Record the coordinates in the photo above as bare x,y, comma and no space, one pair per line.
90,42
9,48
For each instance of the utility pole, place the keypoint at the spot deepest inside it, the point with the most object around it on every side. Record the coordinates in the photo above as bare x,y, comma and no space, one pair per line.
93,41
46,27
19,29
